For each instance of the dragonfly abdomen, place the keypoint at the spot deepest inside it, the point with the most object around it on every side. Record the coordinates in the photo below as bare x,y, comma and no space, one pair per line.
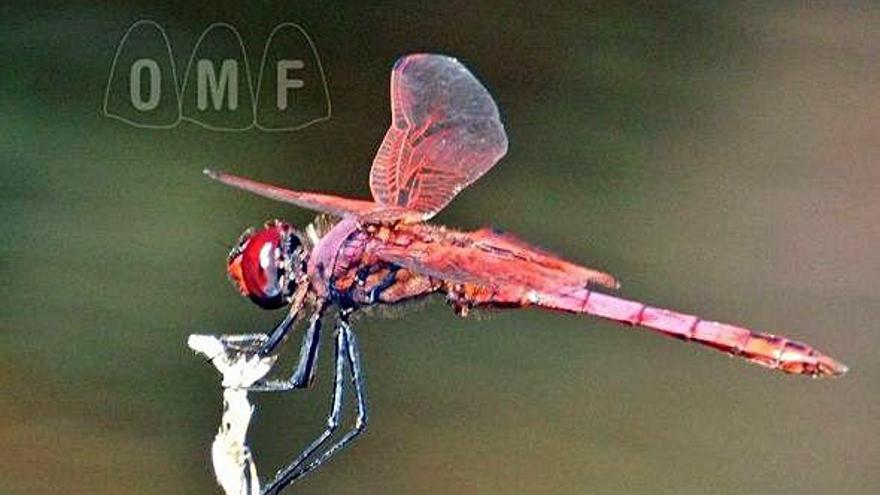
768,350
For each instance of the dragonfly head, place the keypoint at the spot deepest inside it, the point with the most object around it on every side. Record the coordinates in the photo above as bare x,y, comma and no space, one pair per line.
267,264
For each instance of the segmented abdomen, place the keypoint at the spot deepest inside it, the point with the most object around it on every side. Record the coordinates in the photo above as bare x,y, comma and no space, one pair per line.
771,351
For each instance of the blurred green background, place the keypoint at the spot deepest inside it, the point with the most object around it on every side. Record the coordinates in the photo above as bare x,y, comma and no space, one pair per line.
718,158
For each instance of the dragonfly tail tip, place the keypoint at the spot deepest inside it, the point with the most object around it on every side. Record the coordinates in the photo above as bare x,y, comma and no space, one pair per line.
831,367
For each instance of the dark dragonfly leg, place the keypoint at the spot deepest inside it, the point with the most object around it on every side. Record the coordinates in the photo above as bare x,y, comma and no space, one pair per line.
304,373
360,422
286,475
346,354
278,334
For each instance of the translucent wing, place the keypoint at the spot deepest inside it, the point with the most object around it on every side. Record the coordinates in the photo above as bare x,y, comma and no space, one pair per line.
489,258
445,133
334,205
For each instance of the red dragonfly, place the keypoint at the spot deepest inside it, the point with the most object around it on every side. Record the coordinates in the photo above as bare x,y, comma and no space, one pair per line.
445,134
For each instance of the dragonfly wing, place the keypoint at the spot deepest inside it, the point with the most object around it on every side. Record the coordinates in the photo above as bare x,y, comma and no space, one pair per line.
488,258
445,133
334,205
546,267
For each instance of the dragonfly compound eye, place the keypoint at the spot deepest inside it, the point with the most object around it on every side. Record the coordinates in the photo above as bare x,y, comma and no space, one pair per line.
262,266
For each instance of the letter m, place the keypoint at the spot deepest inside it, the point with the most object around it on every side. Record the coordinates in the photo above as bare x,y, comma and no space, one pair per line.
219,87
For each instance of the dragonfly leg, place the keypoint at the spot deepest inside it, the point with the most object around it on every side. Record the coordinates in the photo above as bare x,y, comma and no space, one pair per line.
304,373
287,474
347,353
357,378
277,335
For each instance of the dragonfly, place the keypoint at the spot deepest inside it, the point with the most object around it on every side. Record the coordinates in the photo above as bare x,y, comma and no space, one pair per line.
445,133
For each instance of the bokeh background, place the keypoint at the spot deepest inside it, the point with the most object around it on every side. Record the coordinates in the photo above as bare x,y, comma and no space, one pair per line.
720,158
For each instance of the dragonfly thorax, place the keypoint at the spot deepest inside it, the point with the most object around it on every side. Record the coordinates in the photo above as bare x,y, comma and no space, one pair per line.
267,264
